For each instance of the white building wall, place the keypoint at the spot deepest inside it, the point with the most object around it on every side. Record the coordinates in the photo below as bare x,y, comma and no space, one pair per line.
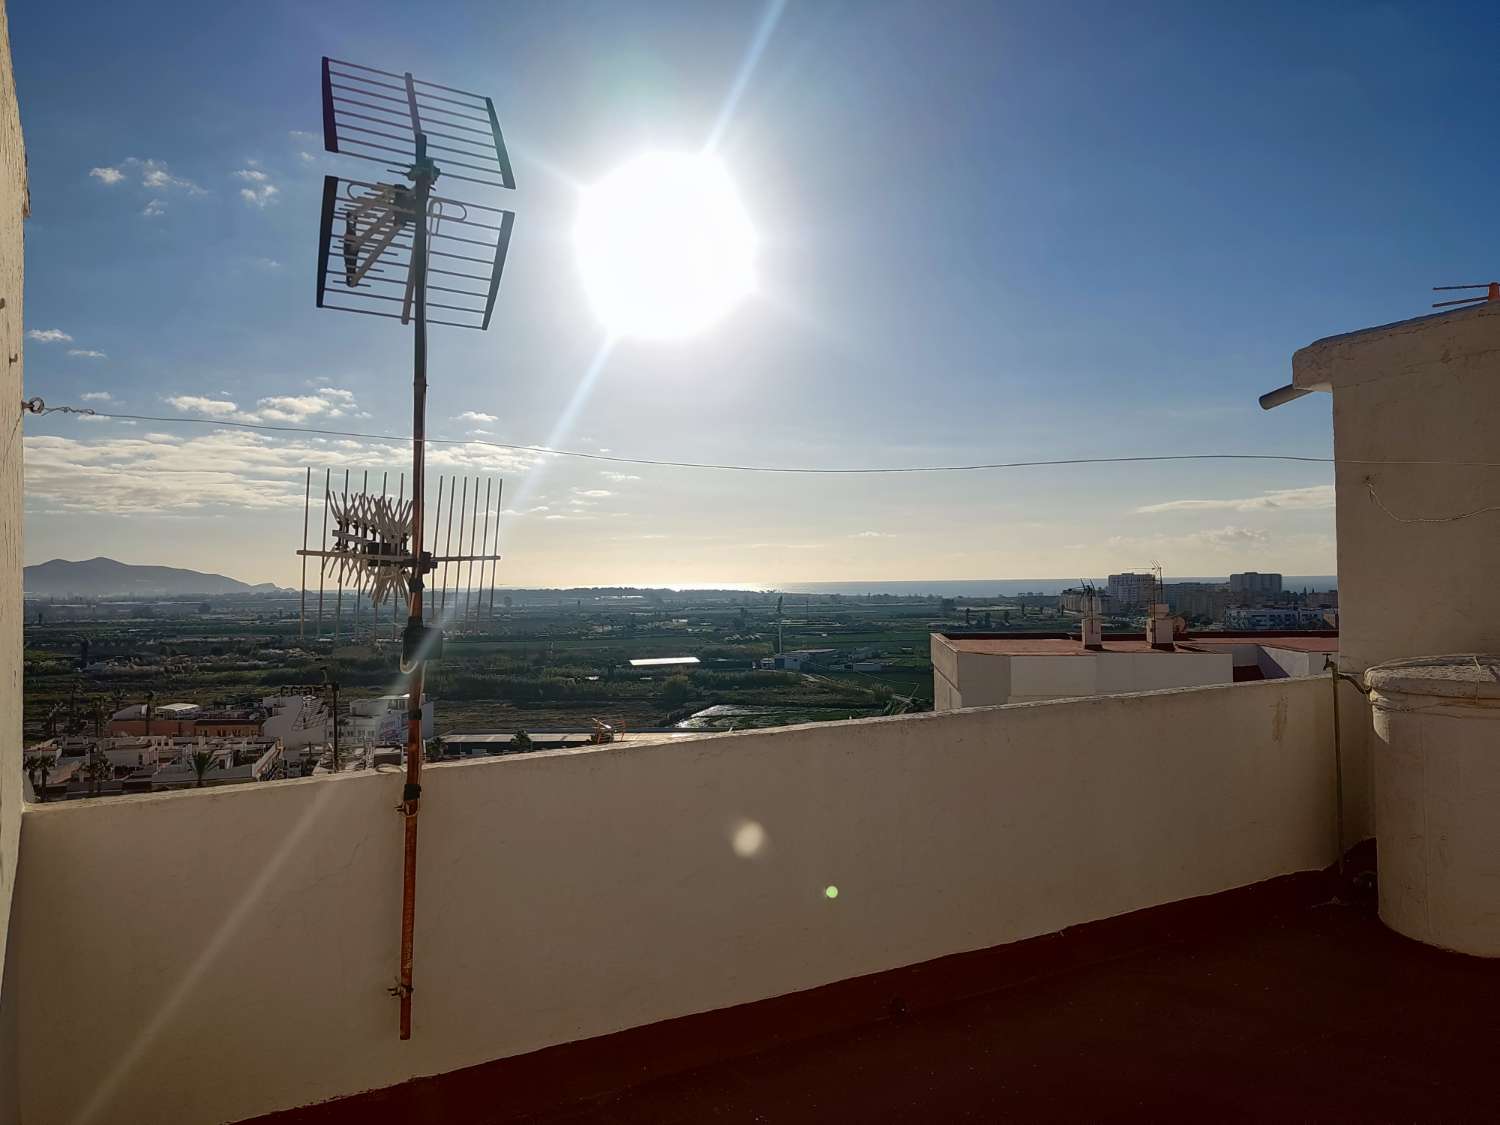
1059,677
13,206
943,832
382,721
1425,390
298,720
966,679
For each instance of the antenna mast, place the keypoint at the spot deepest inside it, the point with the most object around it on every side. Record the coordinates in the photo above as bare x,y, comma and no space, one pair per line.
390,234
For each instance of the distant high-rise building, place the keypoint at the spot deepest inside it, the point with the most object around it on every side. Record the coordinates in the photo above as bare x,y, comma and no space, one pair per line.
1254,583
1132,589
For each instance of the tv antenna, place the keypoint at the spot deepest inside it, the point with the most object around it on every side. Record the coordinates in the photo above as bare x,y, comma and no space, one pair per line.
379,242
370,549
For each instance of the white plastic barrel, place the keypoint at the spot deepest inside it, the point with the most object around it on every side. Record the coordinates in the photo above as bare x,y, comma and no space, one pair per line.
1437,799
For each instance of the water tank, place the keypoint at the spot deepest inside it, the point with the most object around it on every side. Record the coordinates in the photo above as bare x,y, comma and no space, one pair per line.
1437,799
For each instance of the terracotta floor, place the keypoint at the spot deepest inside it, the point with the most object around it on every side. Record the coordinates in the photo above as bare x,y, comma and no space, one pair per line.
1318,1015
1253,1005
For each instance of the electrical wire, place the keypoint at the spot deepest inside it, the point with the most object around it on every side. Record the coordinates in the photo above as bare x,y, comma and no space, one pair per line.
38,406
1379,503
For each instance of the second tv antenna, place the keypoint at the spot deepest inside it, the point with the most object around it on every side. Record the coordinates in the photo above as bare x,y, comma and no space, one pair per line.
379,244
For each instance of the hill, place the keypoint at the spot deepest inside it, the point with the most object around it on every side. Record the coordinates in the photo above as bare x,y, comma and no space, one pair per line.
106,578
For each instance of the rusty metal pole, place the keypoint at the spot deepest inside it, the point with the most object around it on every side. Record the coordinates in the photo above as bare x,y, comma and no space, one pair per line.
423,173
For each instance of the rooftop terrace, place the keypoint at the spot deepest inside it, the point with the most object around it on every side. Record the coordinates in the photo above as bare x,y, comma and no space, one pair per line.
1270,1003
1100,907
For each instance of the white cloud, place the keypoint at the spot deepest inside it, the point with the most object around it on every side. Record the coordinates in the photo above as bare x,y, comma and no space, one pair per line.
1293,499
261,191
156,176
97,396
49,336
259,196
86,353
619,476
268,263
1228,538
593,493
302,136
329,402
475,416
197,404
872,535
159,473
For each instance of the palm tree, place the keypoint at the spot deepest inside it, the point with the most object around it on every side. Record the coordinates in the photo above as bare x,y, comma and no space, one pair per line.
97,770
201,760
39,765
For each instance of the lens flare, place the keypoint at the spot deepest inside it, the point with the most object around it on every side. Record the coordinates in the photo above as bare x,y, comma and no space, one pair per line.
748,839
664,245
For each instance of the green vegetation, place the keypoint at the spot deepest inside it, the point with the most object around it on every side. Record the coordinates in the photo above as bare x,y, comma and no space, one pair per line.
549,660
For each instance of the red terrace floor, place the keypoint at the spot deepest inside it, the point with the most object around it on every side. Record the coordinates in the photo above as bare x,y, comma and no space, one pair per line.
1251,1006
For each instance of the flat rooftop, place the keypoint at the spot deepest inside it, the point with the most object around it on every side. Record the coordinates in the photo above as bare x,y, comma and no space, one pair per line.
1226,1008
1061,644
1050,646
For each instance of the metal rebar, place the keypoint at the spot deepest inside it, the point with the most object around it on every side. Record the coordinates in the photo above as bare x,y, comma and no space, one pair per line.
499,499
338,612
395,612
323,545
485,543
473,530
463,511
447,550
306,505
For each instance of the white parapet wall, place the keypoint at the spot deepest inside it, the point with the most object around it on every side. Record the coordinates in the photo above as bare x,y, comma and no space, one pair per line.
569,894
13,204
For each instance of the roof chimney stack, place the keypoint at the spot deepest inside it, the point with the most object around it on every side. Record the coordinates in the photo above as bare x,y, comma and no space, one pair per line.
1093,625
1159,627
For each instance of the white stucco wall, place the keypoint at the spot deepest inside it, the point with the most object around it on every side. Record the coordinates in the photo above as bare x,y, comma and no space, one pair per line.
1421,390
969,679
1034,678
568,894
12,213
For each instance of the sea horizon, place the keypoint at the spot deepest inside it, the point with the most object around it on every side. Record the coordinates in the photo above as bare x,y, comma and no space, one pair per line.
973,587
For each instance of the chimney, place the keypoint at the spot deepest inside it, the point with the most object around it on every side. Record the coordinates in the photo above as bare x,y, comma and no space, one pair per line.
1093,628
1159,627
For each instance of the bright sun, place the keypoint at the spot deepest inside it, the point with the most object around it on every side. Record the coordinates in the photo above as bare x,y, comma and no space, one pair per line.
665,246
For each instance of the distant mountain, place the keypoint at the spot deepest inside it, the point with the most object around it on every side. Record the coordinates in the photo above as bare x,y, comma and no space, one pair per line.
106,578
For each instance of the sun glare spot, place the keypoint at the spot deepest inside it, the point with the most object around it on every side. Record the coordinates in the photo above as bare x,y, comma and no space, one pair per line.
664,245
748,839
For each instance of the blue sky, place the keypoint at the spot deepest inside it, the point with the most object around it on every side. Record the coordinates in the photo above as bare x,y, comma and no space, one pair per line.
988,232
